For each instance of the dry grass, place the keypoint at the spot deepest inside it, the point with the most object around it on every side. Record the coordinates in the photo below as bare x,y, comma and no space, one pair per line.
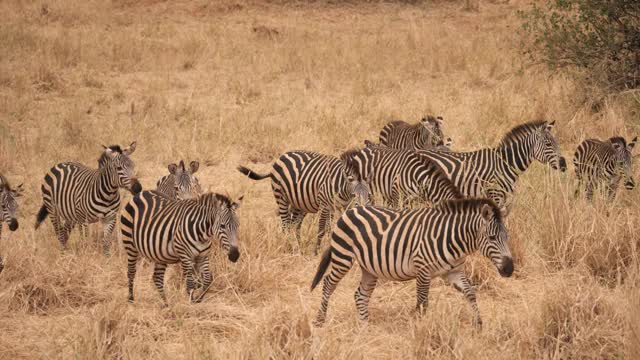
240,82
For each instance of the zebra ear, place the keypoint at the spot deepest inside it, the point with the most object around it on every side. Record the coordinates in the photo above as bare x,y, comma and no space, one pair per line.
448,142
632,144
172,168
194,166
439,120
237,203
130,149
487,212
551,125
616,145
368,143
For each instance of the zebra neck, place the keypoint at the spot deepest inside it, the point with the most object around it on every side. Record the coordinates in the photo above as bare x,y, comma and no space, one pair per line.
518,155
107,185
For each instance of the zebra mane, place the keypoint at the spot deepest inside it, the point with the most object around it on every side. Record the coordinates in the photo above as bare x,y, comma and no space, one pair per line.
104,157
211,198
618,139
469,204
520,130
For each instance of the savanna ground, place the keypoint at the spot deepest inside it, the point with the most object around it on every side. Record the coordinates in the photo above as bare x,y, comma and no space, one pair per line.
241,82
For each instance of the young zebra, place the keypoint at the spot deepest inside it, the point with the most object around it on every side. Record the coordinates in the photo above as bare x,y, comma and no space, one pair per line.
169,231
180,184
416,244
604,162
308,182
78,195
493,172
401,176
421,136
8,208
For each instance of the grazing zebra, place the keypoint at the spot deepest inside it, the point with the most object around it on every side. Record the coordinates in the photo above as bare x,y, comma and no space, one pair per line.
421,136
180,184
78,195
169,231
401,176
444,145
604,162
8,208
307,182
416,244
493,172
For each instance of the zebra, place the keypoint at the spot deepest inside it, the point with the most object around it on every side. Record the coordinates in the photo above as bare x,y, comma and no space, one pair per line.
169,231
493,172
8,207
604,162
180,184
444,145
416,244
78,195
424,135
401,176
308,182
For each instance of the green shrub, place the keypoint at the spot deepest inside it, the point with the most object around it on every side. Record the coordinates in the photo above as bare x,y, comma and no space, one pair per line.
599,38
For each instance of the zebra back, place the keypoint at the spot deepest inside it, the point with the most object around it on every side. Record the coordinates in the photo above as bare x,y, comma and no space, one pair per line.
395,174
423,135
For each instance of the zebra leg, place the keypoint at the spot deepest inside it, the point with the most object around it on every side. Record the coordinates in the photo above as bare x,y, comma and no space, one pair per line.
589,191
423,282
109,223
62,235
326,219
132,262
363,294
297,217
461,283
283,207
203,269
338,271
188,271
158,280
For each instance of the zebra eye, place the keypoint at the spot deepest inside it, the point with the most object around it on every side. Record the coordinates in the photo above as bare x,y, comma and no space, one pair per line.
223,226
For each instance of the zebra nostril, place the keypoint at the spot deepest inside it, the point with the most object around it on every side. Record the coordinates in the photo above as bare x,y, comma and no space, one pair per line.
507,267
13,225
563,164
234,254
629,185
136,187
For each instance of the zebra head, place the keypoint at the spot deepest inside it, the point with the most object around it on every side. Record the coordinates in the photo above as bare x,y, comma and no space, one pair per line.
8,203
355,187
493,240
186,184
225,223
623,160
546,148
123,169
432,133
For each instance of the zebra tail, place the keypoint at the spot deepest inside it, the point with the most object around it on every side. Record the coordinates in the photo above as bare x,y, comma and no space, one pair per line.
322,268
252,174
42,214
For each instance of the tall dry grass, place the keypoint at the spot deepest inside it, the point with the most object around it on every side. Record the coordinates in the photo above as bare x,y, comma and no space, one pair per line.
241,82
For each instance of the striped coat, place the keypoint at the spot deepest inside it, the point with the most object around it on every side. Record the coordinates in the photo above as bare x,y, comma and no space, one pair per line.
416,244
424,135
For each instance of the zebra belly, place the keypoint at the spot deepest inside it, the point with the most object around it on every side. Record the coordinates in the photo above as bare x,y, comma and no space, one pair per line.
395,271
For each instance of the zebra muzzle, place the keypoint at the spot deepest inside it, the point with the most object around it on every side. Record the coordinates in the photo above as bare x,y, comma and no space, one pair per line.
507,267
563,164
234,254
136,187
629,185
13,225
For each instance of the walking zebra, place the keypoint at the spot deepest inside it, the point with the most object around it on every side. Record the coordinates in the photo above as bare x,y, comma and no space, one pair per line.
424,135
604,162
180,184
308,182
8,208
401,176
77,194
493,172
169,231
416,244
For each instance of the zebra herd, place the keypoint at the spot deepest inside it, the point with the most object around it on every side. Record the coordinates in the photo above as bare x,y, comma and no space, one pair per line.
437,206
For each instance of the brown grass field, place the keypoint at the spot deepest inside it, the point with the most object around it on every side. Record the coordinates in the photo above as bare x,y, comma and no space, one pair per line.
230,82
